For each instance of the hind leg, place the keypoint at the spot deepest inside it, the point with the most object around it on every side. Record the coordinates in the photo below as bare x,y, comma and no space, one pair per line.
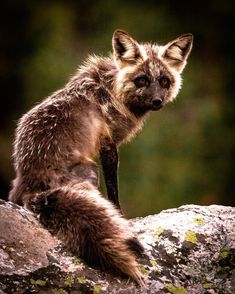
17,191
86,171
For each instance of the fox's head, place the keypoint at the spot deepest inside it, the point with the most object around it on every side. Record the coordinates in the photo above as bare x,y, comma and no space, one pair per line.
149,75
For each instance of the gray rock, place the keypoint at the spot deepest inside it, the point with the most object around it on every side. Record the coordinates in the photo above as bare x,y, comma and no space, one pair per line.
190,249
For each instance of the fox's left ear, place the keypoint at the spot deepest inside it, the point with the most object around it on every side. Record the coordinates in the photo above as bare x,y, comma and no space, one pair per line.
177,51
125,49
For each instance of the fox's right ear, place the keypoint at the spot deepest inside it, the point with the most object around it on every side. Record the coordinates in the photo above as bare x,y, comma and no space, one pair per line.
177,51
125,49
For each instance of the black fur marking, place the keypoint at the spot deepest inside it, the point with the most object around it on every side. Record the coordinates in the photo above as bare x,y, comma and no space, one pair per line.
121,49
89,250
49,211
48,202
95,76
92,251
102,96
44,204
141,81
135,246
42,186
138,106
109,161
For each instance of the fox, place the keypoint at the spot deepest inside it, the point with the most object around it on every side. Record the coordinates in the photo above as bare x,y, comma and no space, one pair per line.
58,142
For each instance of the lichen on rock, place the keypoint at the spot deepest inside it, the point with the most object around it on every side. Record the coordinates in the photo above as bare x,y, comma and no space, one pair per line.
190,249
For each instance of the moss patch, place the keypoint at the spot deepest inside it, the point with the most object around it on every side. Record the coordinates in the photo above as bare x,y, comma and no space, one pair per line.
97,289
191,237
69,281
153,262
59,291
224,253
38,282
208,286
176,290
159,231
199,221
144,271
77,260
81,280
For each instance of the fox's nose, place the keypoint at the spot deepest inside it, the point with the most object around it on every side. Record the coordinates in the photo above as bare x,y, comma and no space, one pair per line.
157,102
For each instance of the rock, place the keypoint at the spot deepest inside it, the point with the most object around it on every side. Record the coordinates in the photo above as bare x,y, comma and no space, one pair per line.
190,249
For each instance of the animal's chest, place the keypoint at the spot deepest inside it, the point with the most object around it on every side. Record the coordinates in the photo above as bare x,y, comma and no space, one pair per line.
124,129
122,126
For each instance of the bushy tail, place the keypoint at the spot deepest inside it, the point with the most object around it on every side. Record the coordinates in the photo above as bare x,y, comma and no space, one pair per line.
91,225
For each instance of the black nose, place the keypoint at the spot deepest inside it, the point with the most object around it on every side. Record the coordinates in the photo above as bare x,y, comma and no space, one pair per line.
157,102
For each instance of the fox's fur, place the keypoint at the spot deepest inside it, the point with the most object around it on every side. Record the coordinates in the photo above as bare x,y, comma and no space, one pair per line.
103,105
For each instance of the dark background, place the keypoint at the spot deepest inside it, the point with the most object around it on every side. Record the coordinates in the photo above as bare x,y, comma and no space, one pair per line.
185,154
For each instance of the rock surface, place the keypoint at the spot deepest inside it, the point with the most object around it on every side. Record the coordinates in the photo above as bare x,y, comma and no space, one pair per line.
190,249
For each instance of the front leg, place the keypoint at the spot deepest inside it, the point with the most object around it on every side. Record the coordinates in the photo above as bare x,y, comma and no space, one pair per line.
109,161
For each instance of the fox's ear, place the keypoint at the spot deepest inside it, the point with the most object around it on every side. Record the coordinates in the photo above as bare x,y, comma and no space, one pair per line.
177,51
125,49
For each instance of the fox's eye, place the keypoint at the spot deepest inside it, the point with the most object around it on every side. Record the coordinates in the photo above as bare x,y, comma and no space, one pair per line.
141,81
164,82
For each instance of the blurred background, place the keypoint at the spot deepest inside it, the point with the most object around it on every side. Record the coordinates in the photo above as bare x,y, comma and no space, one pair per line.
186,152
